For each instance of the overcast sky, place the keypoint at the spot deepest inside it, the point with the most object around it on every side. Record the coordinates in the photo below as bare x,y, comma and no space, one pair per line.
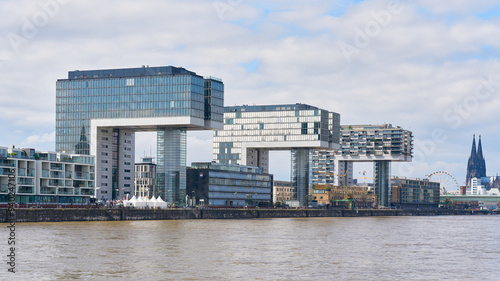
428,66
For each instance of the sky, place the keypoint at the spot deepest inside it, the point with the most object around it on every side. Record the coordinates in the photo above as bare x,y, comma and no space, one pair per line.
430,67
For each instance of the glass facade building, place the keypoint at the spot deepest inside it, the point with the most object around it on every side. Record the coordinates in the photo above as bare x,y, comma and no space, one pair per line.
98,112
250,132
216,184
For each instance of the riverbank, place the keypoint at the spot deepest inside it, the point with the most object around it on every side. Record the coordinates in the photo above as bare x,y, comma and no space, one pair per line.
121,214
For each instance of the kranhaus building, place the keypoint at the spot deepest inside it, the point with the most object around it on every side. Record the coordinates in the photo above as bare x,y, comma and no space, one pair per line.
250,132
99,111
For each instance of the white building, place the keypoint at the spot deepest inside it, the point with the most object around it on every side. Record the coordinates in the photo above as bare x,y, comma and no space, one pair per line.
145,178
47,177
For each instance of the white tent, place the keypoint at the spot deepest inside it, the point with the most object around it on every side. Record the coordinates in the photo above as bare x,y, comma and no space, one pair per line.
131,202
152,202
160,203
141,203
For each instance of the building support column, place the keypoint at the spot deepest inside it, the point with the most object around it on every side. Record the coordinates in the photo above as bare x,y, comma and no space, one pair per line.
301,170
382,182
171,164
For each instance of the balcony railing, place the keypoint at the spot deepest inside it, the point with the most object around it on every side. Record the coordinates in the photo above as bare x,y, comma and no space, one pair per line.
25,181
57,175
85,191
47,190
81,176
26,189
65,191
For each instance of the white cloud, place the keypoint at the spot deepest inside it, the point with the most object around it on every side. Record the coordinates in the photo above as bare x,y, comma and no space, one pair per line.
39,141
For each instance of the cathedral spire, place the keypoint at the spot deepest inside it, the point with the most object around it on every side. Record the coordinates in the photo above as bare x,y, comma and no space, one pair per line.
473,150
479,149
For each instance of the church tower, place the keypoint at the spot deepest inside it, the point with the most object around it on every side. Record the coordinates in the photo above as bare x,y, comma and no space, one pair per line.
476,166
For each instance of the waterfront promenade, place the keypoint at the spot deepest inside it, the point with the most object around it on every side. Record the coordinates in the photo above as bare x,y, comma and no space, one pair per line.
124,214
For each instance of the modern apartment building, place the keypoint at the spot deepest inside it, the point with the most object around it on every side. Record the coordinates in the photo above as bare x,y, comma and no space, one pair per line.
99,111
47,177
380,144
216,184
250,132
414,193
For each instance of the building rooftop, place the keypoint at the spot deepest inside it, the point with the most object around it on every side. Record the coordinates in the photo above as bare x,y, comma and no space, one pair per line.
367,127
274,107
128,72
226,167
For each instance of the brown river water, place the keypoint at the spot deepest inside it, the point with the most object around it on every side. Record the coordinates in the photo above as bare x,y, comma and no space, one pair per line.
362,248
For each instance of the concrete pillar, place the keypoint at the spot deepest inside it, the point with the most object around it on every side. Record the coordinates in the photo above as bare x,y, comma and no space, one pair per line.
382,182
171,164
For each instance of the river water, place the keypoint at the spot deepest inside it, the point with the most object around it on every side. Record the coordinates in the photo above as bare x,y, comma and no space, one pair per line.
364,248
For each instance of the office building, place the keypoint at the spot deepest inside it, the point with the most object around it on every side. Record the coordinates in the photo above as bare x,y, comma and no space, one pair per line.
250,132
216,185
99,111
414,193
145,178
47,177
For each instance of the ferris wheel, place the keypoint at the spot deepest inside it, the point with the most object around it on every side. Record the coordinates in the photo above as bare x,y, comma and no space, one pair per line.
447,181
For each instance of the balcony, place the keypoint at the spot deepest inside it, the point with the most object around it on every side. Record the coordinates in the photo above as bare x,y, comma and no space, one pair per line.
57,175
54,166
85,191
4,188
25,181
47,190
81,176
4,171
25,189
56,182
65,191
7,163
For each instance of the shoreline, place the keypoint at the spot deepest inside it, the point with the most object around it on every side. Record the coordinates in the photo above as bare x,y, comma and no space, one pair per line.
124,214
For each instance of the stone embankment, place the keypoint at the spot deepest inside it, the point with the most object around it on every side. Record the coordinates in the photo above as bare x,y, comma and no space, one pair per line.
57,215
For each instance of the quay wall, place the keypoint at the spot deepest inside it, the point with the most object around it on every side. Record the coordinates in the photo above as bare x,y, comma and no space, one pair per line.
61,214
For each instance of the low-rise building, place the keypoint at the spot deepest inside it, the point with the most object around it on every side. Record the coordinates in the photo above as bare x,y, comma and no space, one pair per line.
342,196
415,193
145,178
216,184
282,192
47,177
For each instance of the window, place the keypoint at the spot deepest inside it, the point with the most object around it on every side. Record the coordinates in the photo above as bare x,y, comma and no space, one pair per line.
126,171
